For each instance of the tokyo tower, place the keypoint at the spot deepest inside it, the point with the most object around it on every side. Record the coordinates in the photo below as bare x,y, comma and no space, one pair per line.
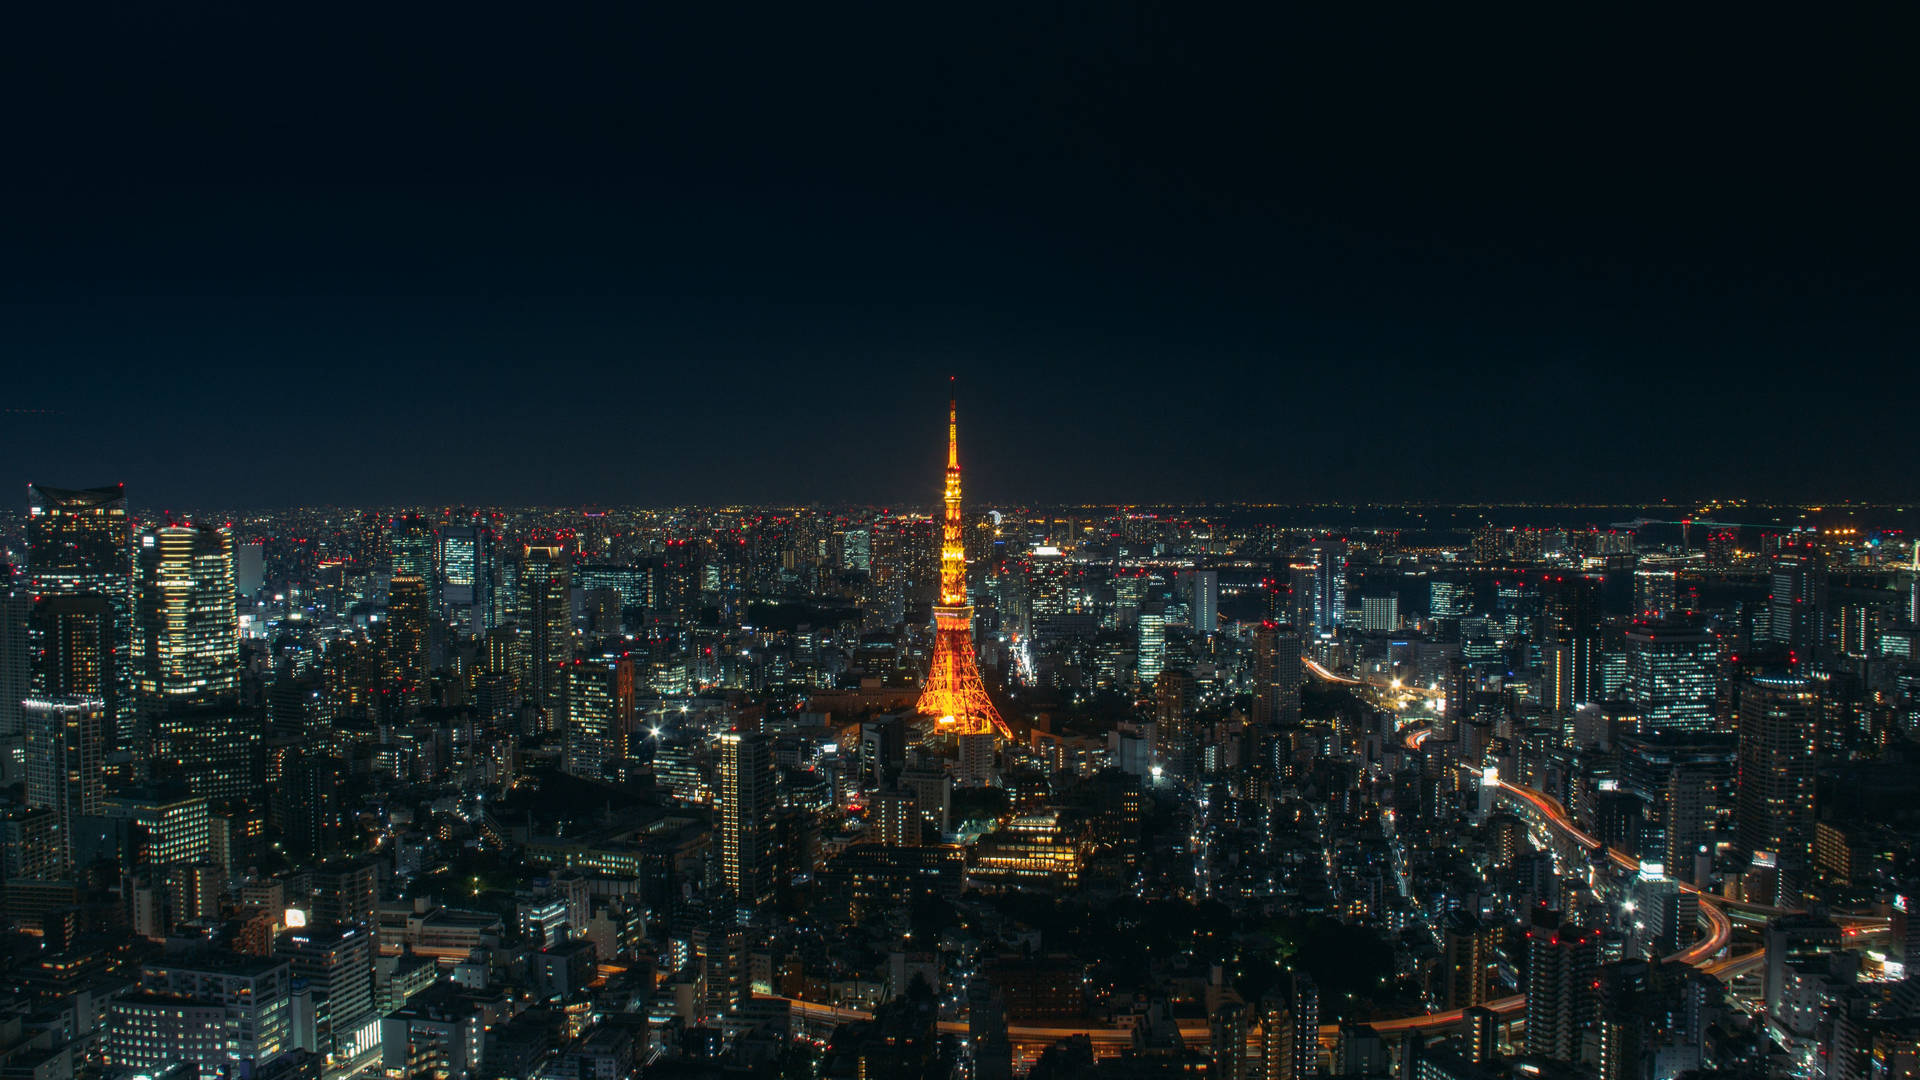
954,695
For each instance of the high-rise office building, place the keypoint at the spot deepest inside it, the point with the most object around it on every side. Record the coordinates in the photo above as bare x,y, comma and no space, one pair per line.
65,751
215,749
71,649
897,817
744,775
1561,965
1277,676
1176,731
336,963
227,1013
407,628
16,677
1672,675
1449,597
546,618
1380,614
466,578
1570,611
1684,781
1860,630
1327,584
1656,592
175,820
1797,599
1152,655
79,543
186,639
410,538
1203,601
600,716
1778,717
249,568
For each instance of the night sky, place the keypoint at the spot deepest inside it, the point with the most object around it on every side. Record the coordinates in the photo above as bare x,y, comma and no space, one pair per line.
652,253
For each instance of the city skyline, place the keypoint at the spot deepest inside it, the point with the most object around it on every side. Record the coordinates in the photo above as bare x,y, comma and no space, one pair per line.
1434,595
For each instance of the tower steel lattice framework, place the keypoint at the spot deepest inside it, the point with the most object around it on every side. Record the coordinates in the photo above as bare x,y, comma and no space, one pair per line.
954,695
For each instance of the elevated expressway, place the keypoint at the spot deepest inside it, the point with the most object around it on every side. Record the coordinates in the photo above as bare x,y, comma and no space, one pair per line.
1716,917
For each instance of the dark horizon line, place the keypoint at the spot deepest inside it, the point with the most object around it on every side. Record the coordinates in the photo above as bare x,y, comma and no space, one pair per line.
1679,505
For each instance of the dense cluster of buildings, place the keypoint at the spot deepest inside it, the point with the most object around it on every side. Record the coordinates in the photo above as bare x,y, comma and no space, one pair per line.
459,793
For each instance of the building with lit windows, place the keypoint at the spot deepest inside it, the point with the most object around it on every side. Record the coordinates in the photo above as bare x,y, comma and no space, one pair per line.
1153,644
1774,809
1033,851
1380,614
186,629
406,631
1204,600
79,543
1562,985
336,963
176,822
1672,676
1327,584
744,779
65,749
410,538
226,1012
600,716
1277,677
466,578
546,620
71,650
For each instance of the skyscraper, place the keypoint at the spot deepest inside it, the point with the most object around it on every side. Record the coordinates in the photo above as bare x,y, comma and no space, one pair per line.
744,773
1152,655
1796,603
600,717
186,640
466,577
1380,614
1204,601
1672,676
16,677
186,656
1561,965
1328,559
411,540
1570,610
1277,676
71,648
407,620
1773,811
79,543
65,750
546,618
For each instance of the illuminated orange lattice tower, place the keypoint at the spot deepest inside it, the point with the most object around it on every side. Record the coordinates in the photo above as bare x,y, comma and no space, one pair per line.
954,695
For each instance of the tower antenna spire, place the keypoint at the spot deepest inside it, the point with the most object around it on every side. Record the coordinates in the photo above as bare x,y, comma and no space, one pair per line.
954,694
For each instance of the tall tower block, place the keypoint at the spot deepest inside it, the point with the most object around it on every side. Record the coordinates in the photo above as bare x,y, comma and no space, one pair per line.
954,695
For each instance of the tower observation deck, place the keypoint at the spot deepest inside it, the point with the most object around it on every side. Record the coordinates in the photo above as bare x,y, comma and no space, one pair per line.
954,695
